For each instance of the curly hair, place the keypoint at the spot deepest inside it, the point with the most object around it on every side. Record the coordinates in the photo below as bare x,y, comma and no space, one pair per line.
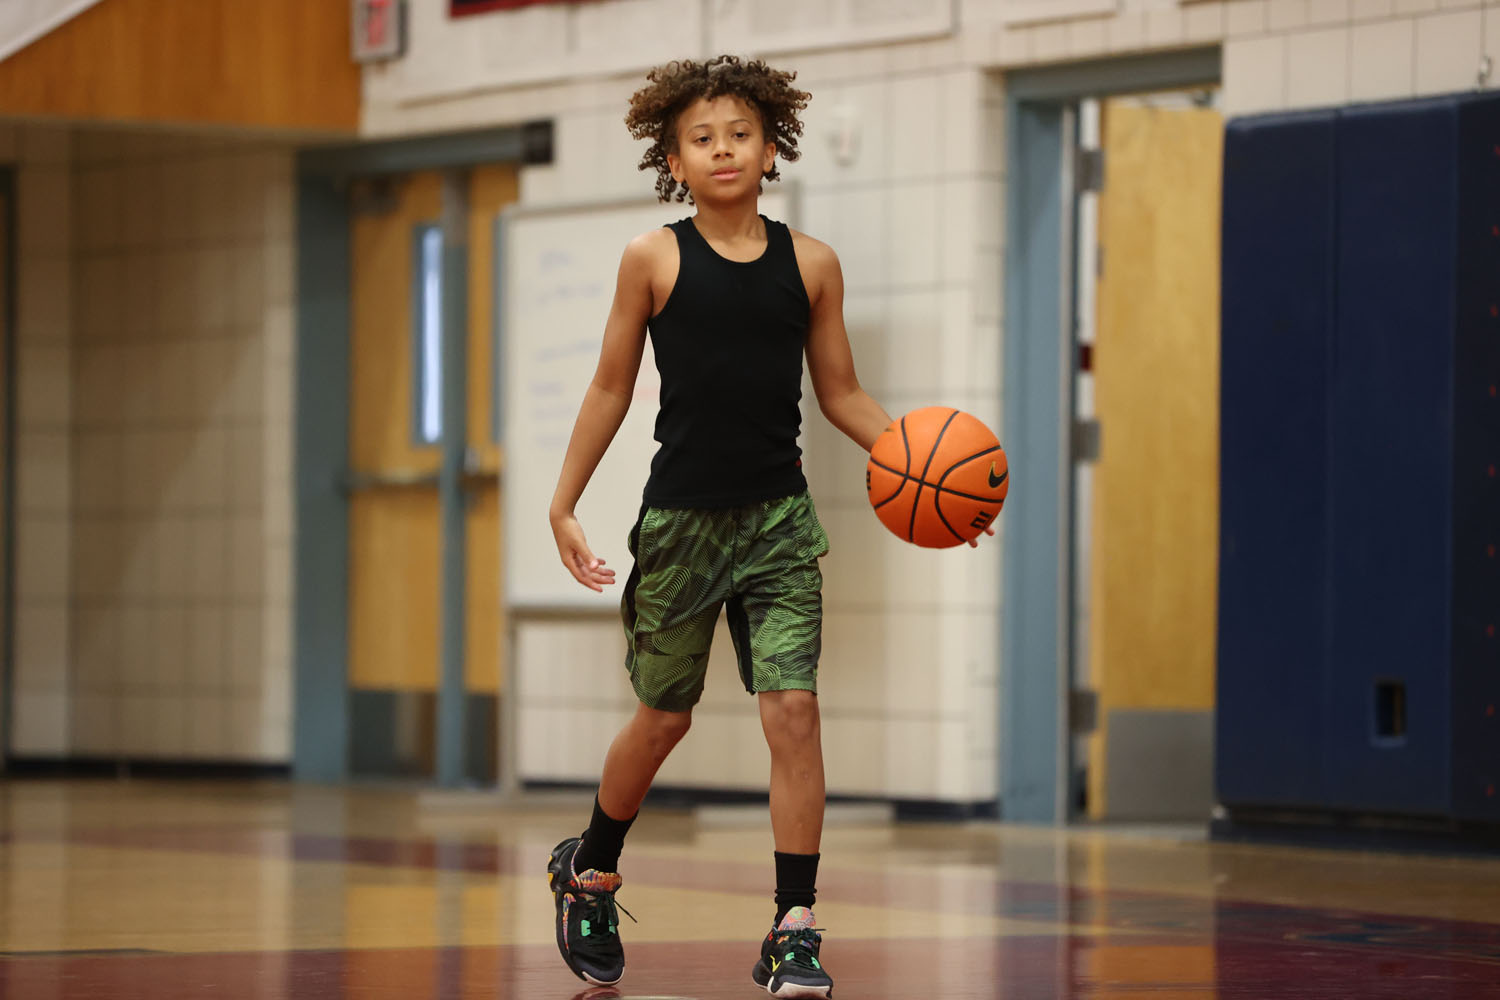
654,109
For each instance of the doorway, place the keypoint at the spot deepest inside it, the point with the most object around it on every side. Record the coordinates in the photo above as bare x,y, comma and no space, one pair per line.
1146,465
398,637
1051,703
396,415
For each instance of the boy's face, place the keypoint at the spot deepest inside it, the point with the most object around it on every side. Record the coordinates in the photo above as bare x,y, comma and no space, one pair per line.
722,152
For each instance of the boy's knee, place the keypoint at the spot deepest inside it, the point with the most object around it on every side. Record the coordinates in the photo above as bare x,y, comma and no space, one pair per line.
666,729
794,716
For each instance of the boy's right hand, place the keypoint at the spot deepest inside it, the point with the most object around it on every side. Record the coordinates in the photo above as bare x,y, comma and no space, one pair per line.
586,568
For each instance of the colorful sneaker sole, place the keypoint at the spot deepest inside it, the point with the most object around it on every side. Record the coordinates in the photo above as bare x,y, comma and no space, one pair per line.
766,980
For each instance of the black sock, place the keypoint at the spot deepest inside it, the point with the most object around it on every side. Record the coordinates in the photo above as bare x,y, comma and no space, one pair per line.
796,881
602,842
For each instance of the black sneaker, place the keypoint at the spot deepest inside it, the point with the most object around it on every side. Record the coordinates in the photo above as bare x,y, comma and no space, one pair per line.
789,965
587,924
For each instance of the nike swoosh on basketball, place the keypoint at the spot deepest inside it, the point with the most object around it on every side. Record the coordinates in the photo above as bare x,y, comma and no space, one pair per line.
995,481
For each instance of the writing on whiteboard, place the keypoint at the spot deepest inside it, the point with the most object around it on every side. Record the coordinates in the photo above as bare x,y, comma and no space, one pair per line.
565,350
577,291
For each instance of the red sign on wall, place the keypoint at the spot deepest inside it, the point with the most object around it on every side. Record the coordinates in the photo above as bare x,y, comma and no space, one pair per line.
458,8
378,30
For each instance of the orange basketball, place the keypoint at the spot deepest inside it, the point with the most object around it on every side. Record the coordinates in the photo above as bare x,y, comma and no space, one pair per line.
937,477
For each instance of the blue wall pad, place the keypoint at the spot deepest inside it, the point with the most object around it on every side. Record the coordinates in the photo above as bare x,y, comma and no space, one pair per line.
1277,304
1390,452
1359,665
1476,468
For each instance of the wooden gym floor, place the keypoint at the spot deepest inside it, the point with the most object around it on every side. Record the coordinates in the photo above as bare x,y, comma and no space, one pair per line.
238,891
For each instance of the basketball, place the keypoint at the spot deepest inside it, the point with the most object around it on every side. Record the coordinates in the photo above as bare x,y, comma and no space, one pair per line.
937,477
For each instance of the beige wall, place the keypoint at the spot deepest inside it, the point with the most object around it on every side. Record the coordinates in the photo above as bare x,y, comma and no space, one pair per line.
155,356
1308,53
42,691
909,675
154,571
1277,53
913,645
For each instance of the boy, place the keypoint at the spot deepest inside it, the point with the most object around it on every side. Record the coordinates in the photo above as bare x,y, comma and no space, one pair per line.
732,301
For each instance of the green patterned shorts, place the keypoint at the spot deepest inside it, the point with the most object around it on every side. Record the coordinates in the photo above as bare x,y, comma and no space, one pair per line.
761,560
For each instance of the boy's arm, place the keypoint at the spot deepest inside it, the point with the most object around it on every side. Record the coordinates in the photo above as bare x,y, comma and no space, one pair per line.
603,410
829,360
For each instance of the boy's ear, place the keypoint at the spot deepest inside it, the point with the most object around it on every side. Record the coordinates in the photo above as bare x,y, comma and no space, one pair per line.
674,164
768,159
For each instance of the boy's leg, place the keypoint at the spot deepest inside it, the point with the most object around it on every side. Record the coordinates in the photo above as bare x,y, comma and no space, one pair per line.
776,622
669,628
582,870
671,600
793,733
776,619
634,758
790,964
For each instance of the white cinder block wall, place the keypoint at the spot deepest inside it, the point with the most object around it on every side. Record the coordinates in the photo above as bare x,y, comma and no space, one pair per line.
41,690
153,447
1308,53
182,496
154,546
909,677
909,671
911,656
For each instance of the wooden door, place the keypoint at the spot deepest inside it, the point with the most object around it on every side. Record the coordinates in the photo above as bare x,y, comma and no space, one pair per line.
1154,522
395,561
491,188
7,639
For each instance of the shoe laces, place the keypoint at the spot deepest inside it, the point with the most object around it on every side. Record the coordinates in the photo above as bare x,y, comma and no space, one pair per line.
599,910
801,944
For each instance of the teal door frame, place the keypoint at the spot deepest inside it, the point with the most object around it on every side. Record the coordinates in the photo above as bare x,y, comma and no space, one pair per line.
1037,666
8,291
320,641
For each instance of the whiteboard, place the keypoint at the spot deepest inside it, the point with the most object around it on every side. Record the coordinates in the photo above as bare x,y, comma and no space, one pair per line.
556,279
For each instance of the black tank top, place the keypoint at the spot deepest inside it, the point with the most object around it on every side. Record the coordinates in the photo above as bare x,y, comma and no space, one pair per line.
728,345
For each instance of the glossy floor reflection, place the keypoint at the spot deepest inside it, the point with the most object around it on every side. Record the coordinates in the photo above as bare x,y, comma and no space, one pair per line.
161,891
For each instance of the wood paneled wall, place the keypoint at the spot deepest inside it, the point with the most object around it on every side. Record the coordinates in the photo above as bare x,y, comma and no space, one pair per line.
281,64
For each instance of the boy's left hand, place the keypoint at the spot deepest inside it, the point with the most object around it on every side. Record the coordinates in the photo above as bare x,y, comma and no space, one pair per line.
974,542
